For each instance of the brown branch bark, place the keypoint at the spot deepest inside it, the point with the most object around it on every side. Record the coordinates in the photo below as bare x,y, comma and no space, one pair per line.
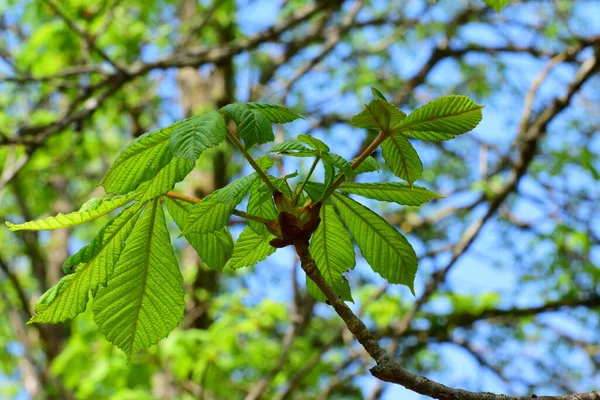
388,370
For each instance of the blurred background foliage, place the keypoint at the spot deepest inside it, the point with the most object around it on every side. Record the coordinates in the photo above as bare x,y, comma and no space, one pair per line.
508,278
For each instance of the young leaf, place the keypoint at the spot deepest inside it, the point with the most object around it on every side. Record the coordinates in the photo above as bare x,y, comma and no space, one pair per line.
498,5
292,148
196,134
379,115
319,146
250,248
395,192
139,161
261,203
94,264
377,93
165,180
213,212
75,218
207,216
333,252
384,248
314,189
402,158
235,191
368,165
274,112
252,125
144,298
329,171
214,248
340,163
442,119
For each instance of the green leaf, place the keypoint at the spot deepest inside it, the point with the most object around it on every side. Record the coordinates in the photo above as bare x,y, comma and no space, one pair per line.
314,189
261,203
165,180
402,158
144,298
333,252
377,93
196,134
235,191
94,264
368,165
75,218
139,161
442,119
395,192
319,146
213,212
341,164
207,216
250,248
275,113
384,248
379,115
214,248
329,171
497,4
292,148
252,125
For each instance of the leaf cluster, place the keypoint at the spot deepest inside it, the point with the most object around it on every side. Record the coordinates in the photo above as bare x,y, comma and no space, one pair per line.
130,268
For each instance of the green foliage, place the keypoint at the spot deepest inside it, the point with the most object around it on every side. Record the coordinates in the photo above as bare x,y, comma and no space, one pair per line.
441,119
93,265
379,115
250,248
139,161
395,192
130,267
214,248
498,5
333,252
144,298
88,212
402,159
384,248
196,134
254,120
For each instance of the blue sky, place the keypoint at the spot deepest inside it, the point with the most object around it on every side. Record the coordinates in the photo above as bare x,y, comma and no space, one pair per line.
474,273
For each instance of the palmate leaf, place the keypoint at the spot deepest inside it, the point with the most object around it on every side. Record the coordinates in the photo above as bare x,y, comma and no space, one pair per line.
139,161
368,165
292,148
144,298
175,171
94,264
196,134
252,125
250,248
214,248
213,212
274,112
395,192
340,163
333,252
318,145
261,203
441,119
379,115
384,248
402,158
90,213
